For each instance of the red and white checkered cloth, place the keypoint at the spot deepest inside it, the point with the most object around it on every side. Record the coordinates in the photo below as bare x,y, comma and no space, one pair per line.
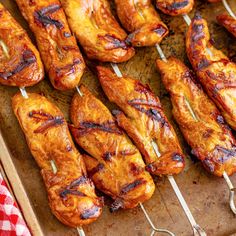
11,220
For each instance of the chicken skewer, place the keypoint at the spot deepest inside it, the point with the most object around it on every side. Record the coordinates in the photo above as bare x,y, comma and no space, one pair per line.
139,8
22,68
103,127
197,230
186,97
210,53
58,48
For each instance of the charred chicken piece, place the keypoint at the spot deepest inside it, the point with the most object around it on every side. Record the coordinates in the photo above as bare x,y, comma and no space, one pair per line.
142,21
215,71
97,30
228,22
175,7
20,63
58,47
71,193
116,166
144,121
200,121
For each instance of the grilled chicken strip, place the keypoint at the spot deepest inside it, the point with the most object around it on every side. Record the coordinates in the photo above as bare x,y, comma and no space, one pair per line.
228,22
175,7
142,21
97,30
116,166
144,121
214,69
70,192
200,121
20,63
58,47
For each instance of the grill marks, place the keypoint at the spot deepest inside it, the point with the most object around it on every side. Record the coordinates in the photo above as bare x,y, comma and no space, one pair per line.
177,5
90,213
26,60
42,16
160,30
49,120
71,189
107,156
109,126
148,105
129,187
114,42
95,170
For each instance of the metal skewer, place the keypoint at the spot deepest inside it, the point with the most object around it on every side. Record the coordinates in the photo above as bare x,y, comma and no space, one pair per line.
228,9
154,229
232,189
23,92
25,95
197,230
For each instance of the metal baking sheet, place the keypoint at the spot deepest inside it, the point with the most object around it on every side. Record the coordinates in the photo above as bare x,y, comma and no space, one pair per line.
206,195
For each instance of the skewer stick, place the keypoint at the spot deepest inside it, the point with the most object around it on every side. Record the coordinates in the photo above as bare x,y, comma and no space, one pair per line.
25,95
154,229
232,189
228,9
23,92
80,231
197,230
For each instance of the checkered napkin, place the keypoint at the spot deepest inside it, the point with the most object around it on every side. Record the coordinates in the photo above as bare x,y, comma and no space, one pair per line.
11,220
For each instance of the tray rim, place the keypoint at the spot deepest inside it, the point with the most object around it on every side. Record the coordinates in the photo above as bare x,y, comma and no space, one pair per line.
18,189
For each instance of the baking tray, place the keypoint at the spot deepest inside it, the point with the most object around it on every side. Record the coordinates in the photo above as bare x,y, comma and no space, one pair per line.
206,195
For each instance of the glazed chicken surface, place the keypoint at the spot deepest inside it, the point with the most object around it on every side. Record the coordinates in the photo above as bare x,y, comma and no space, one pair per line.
58,47
142,21
20,63
215,71
199,120
71,193
97,30
228,22
144,121
115,165
175,7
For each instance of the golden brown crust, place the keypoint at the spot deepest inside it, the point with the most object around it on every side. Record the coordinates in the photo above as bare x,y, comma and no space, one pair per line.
70,192
228,22
175,7
214,69
142,21
97,30
116,166
200,121
58,48
144,121
20,63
